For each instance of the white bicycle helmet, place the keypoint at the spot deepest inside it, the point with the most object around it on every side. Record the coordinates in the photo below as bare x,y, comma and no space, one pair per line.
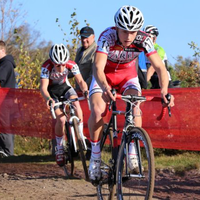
59,54
129,18
151,30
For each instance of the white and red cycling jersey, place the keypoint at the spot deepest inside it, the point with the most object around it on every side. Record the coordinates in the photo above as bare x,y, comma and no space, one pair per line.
48,71
120,69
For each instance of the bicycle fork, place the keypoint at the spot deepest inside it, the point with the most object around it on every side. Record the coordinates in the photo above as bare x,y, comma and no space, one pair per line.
73,133
139,158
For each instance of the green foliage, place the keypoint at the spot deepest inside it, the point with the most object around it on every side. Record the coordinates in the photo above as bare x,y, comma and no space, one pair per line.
74,32
178,162
75,40
196,49
28,58
28,70
188,72
28,145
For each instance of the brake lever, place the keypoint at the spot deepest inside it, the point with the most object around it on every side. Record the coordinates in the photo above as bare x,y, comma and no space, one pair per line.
110,105
111,101
168,97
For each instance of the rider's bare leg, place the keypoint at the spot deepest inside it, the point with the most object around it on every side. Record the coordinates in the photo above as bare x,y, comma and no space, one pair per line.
60,122
79,112
95,125
95,122
59,128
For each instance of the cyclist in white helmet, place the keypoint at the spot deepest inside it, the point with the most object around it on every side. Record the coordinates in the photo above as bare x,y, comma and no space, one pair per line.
54,84
115,66
151,74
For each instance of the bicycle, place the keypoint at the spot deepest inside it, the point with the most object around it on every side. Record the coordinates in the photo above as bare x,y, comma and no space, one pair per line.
114,159
74,142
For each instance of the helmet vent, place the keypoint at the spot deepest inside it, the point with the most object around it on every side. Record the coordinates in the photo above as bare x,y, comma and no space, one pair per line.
126,20
60,56
131,16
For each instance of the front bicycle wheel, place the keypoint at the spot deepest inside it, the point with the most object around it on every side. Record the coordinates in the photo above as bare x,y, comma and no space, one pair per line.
69,152
106,186
140,183
81,148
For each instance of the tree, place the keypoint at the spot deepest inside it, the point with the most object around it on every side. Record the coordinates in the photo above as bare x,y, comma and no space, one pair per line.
9,15
74,32
188,72
196,49
75,41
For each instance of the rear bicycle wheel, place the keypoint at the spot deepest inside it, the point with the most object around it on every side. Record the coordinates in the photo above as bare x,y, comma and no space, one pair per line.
106,186
81,148
69,152
140,184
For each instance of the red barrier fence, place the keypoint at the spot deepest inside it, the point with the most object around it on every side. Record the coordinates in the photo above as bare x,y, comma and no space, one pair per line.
24,112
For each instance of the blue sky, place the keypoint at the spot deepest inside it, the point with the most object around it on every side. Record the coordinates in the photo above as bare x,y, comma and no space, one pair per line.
178,21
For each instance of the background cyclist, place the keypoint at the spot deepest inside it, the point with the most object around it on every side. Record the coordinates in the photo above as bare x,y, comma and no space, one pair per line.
151,73
115,66
54,84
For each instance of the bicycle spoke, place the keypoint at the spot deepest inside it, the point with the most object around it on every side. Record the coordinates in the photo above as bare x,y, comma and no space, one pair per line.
81,149
69,151
138,184
106,188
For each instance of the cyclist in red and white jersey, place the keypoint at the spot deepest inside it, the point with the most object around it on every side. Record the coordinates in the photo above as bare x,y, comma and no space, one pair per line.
115,66
54,84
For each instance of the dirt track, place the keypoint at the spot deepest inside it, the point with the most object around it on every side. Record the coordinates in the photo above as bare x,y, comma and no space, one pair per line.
24,181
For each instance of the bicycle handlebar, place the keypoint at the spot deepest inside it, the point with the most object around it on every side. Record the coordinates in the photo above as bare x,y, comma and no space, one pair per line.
52,110
62,103
135,98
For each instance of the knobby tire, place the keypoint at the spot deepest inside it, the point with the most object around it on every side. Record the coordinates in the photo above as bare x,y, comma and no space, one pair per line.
140,187
106,186
81,148
69,151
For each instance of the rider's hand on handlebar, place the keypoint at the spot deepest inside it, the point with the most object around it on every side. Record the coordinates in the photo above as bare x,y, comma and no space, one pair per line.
50,102
168,100
85,94
107,95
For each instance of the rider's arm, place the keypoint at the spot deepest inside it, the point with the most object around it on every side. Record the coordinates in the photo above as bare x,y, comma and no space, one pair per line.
159,67
44,82
98,70
150,72
82,84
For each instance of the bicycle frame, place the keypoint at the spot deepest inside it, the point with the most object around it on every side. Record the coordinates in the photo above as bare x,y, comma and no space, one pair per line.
117,169
131,99
72,117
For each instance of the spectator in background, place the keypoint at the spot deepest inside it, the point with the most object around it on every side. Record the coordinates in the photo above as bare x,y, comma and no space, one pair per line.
7,80
151,74
85,55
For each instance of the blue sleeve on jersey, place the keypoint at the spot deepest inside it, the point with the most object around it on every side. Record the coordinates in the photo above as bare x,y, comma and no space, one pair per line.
75,69
142,62
103,45
44,73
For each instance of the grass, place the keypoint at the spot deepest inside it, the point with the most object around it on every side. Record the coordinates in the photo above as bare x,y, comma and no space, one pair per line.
179,163
36,150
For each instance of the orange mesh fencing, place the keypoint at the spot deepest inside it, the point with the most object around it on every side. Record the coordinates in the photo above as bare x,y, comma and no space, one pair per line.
24,112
